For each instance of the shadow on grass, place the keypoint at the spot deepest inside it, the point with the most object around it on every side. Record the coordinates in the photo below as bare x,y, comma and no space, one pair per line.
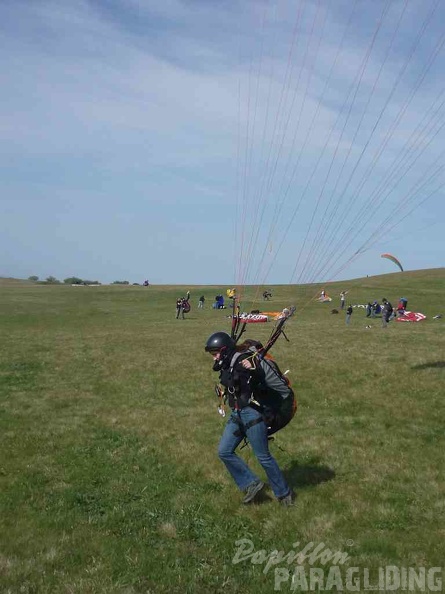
432,365
307,475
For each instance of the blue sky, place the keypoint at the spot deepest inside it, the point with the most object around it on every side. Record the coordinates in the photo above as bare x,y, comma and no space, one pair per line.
199,142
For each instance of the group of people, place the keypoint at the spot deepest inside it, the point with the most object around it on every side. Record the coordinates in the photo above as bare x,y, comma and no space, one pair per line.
374,309
386,310
183,303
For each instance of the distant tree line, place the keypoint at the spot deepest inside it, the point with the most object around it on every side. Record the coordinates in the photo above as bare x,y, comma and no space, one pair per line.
72,280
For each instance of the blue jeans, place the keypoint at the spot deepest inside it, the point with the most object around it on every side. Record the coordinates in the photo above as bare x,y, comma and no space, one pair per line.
257,436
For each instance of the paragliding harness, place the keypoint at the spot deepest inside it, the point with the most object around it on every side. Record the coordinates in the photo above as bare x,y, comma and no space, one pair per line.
269,390
270,393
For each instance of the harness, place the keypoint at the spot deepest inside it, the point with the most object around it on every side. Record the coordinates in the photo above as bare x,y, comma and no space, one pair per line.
268,388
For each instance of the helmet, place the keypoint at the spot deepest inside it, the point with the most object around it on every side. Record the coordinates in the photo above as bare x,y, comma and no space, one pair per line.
219,341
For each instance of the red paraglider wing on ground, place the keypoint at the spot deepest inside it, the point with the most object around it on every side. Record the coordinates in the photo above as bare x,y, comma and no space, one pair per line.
411,316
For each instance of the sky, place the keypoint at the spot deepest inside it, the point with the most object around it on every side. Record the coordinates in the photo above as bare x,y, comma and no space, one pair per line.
231,142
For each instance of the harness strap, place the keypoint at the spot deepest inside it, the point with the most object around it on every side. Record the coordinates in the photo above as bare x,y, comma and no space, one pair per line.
244,427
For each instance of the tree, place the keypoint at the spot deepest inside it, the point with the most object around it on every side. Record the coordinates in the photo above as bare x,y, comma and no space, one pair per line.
120,283
51,280
33,278
73,280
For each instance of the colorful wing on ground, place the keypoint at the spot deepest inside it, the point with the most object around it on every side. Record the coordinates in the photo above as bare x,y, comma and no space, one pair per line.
253,318
411,316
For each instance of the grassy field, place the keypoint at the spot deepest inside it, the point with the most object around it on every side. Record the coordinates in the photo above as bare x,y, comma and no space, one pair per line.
109,430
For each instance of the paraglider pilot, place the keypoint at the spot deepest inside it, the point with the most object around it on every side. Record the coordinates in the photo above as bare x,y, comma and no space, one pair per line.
180,307
238,374
387,312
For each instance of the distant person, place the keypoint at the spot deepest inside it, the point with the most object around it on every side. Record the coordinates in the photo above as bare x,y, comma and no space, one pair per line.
180,307
348,314
376,309
201,302
343,299
188,296
401,306
368,309
387,312
267,295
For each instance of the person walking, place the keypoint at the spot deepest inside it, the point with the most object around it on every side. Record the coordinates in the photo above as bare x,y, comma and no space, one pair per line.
201,302
240,375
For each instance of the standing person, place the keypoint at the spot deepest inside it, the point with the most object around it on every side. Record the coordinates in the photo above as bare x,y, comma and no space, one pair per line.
201,302
387,312
241,375
368,309
188,296
180,307
348,314
342,299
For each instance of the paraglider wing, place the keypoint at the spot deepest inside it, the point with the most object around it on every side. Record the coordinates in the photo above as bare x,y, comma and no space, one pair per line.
393,259
411,316
253,318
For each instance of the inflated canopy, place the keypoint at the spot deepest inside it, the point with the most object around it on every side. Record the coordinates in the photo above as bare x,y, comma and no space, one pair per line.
393,259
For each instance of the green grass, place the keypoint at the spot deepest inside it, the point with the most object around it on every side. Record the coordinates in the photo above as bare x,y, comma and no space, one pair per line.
110,480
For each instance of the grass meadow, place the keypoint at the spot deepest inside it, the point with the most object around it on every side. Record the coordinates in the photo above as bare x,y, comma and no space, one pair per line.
110,481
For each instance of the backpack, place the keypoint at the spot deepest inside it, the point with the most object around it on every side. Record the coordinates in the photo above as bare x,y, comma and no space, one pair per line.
272,394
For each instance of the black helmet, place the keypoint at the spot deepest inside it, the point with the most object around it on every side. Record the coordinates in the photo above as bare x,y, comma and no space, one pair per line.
219,341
